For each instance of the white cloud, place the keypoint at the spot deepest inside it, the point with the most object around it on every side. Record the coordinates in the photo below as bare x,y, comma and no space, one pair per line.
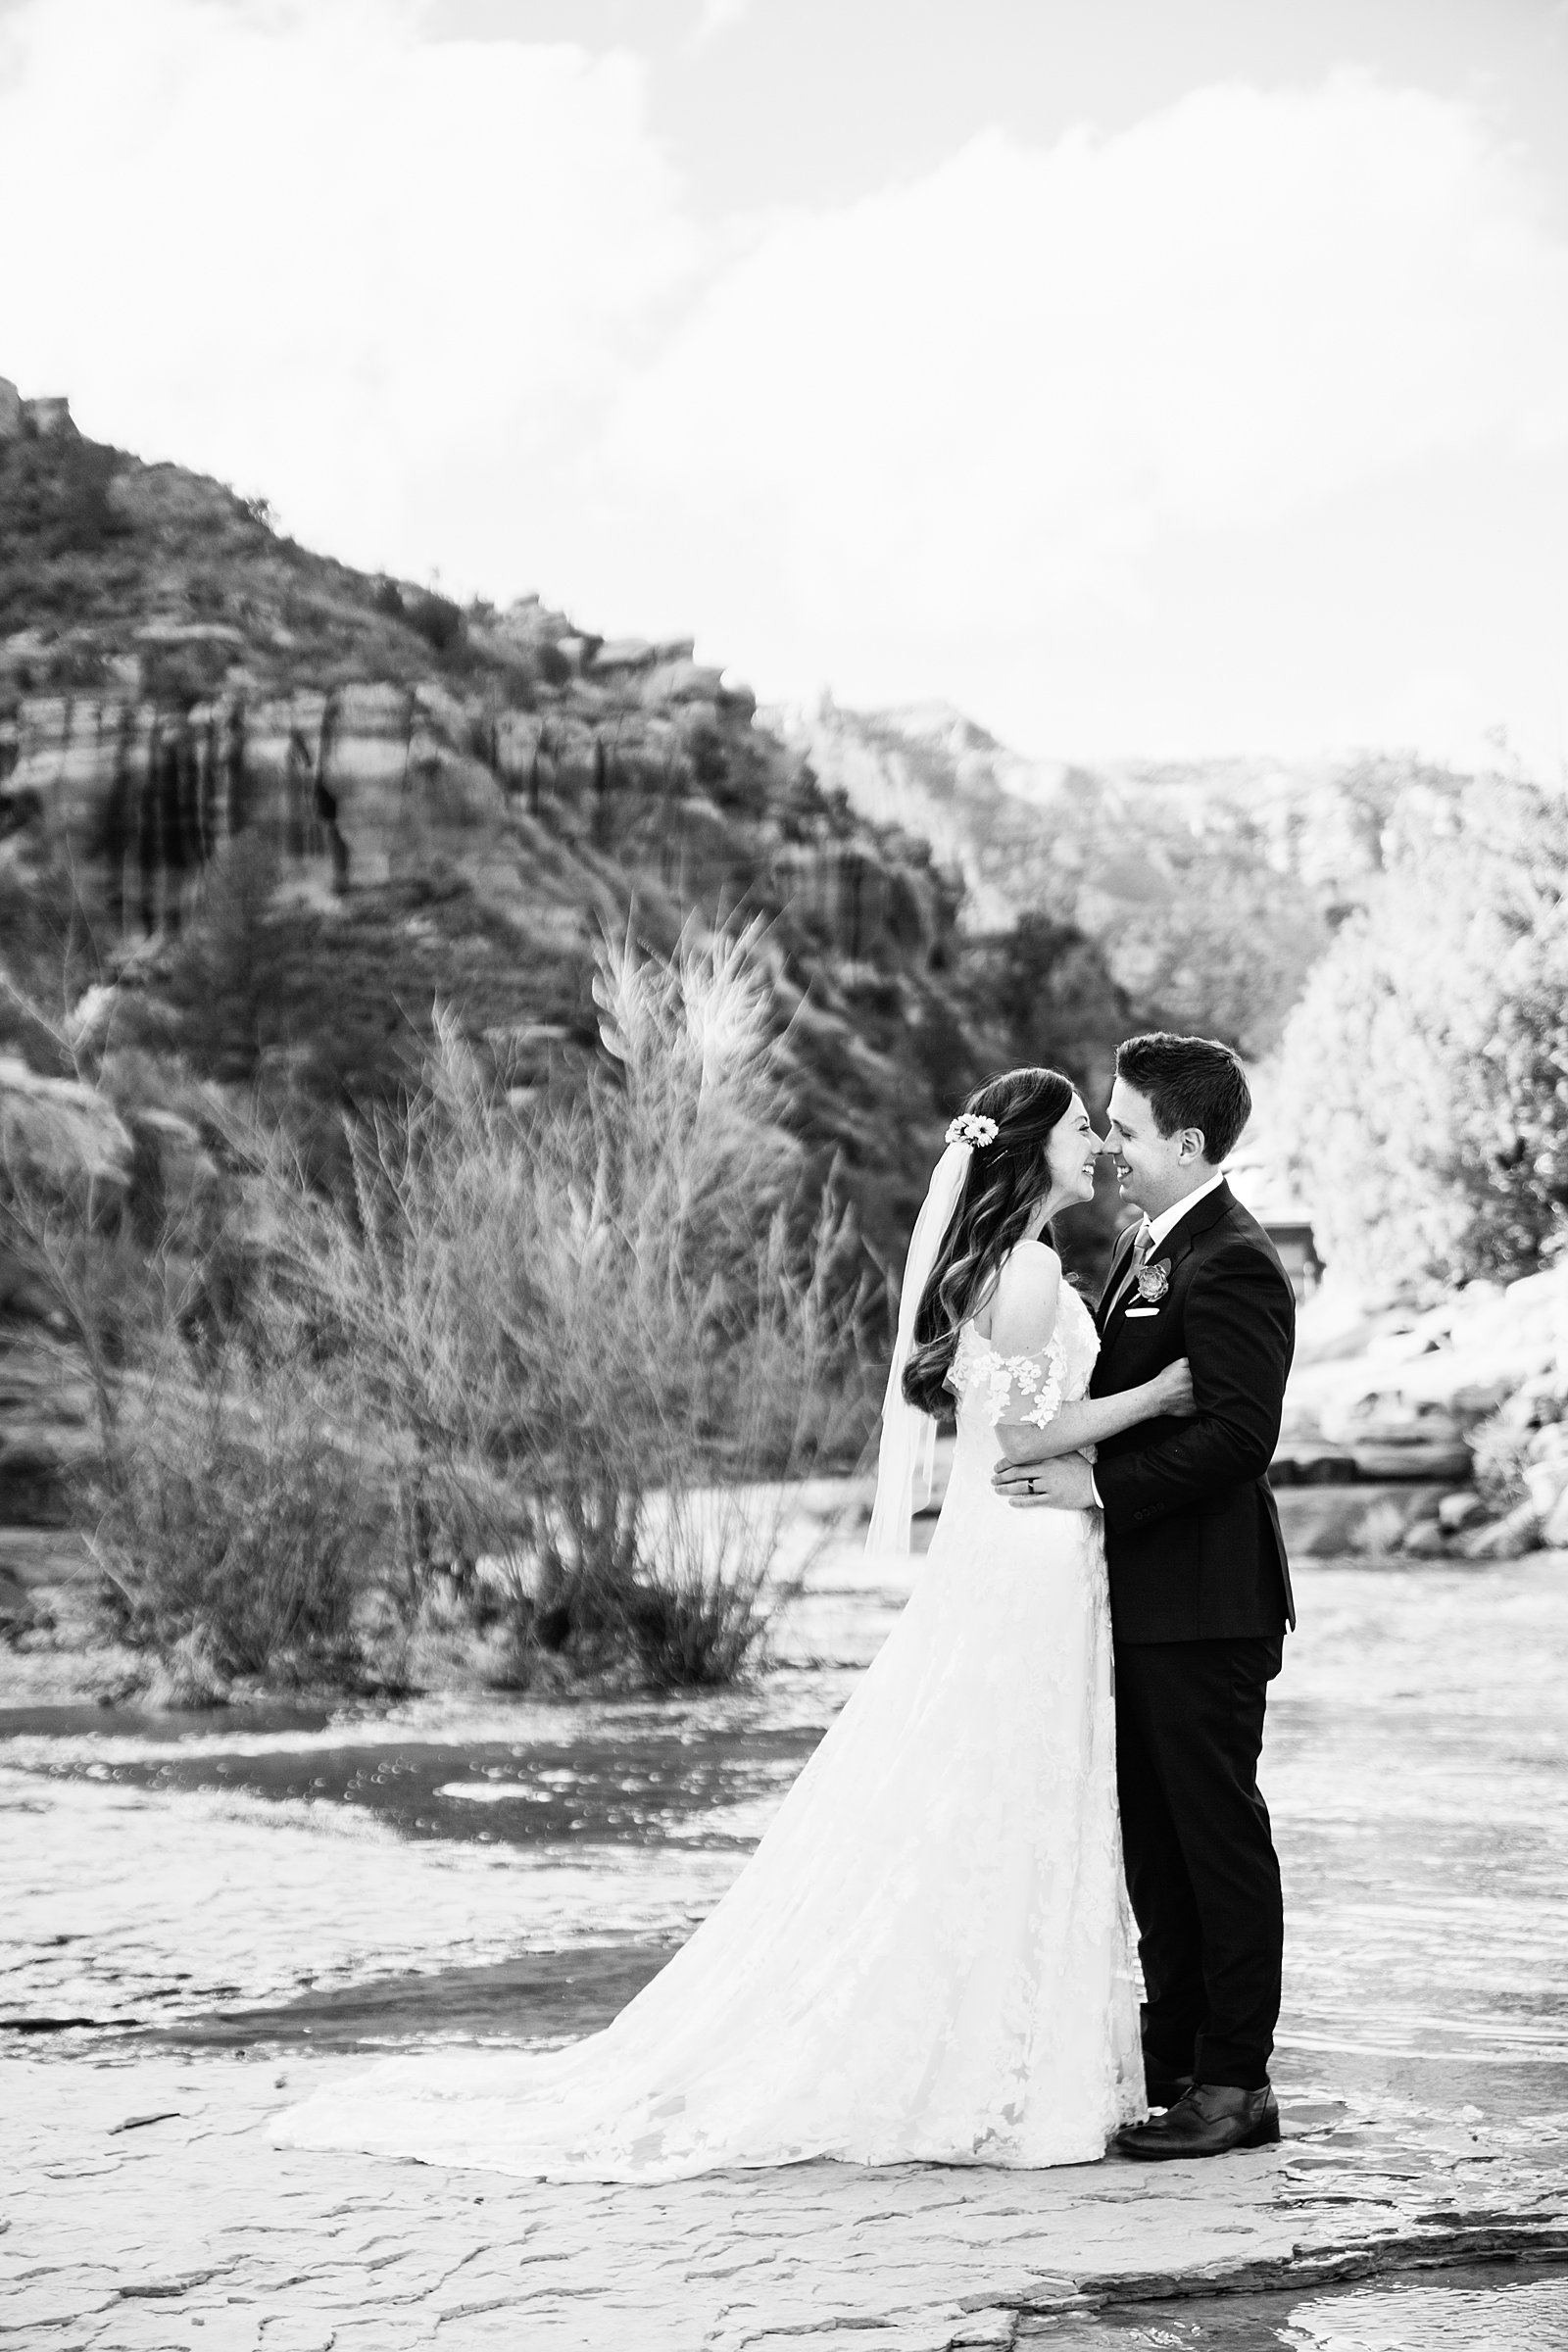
717,18
970,409
299,244
1008,433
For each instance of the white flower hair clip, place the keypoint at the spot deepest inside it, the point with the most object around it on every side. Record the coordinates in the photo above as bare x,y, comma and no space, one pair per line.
971,1127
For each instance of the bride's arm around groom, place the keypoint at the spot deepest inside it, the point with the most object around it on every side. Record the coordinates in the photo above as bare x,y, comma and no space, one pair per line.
1023,1317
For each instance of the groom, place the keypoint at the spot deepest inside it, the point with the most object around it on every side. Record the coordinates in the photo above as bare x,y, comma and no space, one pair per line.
1200,1591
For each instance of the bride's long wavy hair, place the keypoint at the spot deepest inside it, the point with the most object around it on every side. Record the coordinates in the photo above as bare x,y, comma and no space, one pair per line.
1000,1193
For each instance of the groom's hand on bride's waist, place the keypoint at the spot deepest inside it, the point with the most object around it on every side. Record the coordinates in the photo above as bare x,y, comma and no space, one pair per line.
1066,1484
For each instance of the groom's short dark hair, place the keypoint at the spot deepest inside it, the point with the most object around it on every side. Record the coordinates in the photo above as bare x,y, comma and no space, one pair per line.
1190,1082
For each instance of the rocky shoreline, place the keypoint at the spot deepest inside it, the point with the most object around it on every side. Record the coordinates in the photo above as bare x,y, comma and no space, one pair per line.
152,2214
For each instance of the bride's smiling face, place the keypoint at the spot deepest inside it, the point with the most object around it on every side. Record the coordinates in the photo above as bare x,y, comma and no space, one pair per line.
1071,1152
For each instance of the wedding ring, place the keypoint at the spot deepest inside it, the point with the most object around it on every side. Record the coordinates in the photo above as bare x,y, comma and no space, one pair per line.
1029,1486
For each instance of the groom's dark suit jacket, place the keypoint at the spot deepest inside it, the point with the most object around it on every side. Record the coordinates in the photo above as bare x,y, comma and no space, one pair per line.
1192,1539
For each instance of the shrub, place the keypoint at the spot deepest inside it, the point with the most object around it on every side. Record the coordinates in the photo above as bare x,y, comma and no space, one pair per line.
232,1516
438,621
229,1502
1499,1453
602,1326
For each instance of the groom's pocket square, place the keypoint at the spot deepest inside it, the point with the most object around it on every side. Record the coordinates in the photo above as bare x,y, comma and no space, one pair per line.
1141,1310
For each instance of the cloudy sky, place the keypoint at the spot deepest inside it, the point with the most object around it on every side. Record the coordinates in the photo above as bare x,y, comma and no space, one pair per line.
1145,376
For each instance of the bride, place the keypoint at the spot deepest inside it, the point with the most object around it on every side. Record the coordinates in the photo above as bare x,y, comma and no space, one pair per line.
928,1956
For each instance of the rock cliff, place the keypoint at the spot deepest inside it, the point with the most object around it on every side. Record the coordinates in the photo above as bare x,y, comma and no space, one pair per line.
259,812
447,801
1212,885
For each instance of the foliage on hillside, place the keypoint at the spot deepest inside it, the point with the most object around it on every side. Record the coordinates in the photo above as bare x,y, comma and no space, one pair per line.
1424,1090
95,544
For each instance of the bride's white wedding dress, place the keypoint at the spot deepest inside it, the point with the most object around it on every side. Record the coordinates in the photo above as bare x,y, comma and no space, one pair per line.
929,1955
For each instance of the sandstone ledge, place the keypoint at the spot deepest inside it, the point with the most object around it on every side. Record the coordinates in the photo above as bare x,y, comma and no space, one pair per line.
147,2210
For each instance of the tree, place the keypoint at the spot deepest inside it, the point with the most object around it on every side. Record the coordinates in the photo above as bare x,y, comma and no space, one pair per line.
1425,1072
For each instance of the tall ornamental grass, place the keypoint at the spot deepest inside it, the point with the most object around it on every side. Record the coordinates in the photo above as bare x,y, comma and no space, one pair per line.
610,1330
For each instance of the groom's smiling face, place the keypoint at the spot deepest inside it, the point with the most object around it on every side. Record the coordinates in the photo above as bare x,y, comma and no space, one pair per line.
1155,1170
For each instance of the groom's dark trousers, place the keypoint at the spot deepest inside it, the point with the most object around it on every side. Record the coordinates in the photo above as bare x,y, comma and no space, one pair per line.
1200,1598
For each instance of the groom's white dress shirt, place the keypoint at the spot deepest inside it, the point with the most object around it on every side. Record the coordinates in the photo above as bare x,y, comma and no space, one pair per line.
1160,1229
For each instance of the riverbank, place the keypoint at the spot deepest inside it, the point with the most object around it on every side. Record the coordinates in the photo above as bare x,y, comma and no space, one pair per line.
58,1653
1410,1433
235,1908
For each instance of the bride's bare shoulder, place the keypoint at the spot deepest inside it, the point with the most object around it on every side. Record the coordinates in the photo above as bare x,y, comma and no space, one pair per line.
1028,1267
1023,1305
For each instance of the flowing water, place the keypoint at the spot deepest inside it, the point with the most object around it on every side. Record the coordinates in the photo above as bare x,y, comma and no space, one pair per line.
1516,2310
512,1870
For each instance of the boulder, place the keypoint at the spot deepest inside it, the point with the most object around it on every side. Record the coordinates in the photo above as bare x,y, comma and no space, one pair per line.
38,1460
1426,1541
682,681
1457,1512
1477,1400
1327,1522
182,1172
1545,1484
624,653
373,708
49,415
1508,1539
1434,1456
1379,1530
59,1131
1394,1435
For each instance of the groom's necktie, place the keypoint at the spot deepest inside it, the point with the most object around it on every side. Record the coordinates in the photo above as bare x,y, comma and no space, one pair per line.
1133,1266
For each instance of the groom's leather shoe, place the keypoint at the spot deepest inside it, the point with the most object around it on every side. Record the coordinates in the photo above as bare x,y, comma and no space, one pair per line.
1162,2089
1208,2120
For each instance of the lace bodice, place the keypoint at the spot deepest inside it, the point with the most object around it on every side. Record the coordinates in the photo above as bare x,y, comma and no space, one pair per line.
1030,1388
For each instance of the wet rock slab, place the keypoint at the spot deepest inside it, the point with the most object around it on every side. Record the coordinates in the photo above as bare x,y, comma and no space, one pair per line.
146,2209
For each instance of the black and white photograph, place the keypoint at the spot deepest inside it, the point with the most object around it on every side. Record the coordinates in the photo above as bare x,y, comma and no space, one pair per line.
783,1175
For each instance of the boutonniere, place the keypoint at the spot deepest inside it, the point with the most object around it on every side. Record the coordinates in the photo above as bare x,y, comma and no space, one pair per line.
1154,1281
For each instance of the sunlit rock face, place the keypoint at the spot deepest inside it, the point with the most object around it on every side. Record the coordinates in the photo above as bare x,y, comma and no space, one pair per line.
365,782
180,677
